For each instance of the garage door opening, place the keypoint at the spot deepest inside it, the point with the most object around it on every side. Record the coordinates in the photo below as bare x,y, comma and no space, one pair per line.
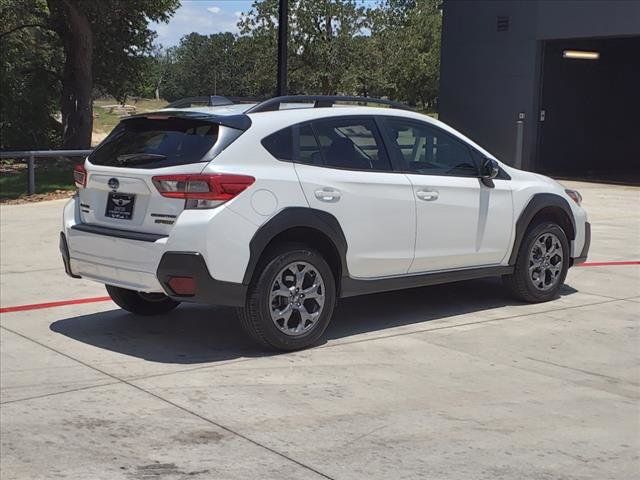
589,125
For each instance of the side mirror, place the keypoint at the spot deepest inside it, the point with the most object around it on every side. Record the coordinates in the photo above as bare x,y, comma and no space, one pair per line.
489,170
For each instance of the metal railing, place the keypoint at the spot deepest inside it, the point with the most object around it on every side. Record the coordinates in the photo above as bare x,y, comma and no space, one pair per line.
31,155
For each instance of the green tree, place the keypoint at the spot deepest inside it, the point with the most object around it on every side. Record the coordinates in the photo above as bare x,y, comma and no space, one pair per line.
408,33
30,85
105,46
321,41
103,41
203,65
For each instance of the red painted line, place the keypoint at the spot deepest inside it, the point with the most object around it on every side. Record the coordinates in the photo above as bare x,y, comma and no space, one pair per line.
607,264
37,306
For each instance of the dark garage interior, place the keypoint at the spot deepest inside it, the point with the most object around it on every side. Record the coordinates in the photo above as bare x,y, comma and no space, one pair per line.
507,83
590,109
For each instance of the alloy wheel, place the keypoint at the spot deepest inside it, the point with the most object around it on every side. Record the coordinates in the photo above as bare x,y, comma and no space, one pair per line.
545,261
296,298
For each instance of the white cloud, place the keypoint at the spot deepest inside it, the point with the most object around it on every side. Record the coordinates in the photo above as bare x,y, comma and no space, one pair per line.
202,16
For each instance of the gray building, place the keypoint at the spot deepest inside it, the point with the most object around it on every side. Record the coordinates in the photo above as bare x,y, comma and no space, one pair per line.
568,70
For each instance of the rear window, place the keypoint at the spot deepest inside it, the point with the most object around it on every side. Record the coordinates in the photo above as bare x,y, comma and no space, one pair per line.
156,143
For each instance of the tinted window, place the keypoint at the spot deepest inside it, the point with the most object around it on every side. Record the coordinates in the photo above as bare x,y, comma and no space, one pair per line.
294,144
351,143
430,151
309,151
156,143
280,144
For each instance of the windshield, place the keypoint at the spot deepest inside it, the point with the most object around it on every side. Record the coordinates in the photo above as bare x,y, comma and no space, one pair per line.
156,143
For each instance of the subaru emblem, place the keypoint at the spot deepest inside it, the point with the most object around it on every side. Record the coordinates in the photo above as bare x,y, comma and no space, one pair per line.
113,184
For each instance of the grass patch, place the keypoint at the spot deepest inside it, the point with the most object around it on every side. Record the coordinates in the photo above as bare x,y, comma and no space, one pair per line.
103,120
149,105
105,117
53,176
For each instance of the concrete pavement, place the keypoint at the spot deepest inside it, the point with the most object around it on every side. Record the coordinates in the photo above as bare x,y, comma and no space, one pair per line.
445,382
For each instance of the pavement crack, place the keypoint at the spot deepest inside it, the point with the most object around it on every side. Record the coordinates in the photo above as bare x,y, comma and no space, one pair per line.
466,324
178,406
61,392
586,372
360,437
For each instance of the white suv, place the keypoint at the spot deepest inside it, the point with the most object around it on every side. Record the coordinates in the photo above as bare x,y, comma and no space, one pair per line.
279,210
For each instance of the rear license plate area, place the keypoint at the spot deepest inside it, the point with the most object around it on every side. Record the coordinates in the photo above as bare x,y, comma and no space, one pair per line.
120,206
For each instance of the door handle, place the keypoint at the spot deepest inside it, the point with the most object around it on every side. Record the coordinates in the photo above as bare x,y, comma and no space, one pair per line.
427,195
327,195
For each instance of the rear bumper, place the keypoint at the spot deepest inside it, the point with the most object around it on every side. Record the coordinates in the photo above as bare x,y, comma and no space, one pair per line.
208,290
587,243
141,262
121,262
172,264
66,258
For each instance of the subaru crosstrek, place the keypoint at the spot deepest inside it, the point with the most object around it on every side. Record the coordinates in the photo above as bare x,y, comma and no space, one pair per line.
280,210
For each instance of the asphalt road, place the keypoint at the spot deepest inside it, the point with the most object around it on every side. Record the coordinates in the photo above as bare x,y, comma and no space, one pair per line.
444,382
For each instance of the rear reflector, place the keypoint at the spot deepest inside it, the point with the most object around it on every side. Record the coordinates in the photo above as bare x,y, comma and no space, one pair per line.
217,187
182,285
80,176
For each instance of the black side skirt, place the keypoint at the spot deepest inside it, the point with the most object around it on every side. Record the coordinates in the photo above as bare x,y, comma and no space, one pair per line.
352,287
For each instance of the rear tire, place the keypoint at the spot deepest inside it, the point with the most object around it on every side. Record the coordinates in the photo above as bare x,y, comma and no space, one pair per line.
542,264
290,302
141,303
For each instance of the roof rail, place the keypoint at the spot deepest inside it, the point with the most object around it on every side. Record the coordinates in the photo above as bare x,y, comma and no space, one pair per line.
209,101
320,101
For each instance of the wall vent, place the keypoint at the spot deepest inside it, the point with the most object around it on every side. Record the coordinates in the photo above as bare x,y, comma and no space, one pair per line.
502,23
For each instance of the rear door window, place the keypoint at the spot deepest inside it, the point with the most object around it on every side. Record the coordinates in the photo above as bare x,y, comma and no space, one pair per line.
308,149
351,143
343,142
156,143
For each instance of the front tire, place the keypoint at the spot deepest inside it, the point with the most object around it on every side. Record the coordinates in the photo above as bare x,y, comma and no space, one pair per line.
542,264
141,303
291,300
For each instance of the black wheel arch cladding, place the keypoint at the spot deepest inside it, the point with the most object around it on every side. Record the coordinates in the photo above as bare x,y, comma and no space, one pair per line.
536,205
291,218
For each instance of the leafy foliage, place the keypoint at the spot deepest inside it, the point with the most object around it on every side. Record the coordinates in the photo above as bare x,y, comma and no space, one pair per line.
389,49
30,80
42,60
335,47
124,43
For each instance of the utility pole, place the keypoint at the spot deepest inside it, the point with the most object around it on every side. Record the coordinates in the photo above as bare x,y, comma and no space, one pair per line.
283,34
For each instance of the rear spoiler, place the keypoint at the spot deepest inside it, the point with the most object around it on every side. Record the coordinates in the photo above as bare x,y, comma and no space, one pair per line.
238,121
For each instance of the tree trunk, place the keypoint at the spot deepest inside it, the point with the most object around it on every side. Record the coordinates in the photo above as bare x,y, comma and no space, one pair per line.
77,81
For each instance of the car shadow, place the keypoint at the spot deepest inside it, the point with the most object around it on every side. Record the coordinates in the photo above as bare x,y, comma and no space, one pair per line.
200,334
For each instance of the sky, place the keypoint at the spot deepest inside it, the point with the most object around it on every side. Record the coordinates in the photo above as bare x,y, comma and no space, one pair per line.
201,16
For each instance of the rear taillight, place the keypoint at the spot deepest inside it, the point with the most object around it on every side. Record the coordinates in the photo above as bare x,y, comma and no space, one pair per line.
202,190
80,176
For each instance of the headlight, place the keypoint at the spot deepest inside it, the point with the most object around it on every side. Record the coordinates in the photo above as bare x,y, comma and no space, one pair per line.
575,195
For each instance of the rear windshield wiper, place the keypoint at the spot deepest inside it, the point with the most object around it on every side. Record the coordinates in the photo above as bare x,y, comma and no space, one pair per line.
130,159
